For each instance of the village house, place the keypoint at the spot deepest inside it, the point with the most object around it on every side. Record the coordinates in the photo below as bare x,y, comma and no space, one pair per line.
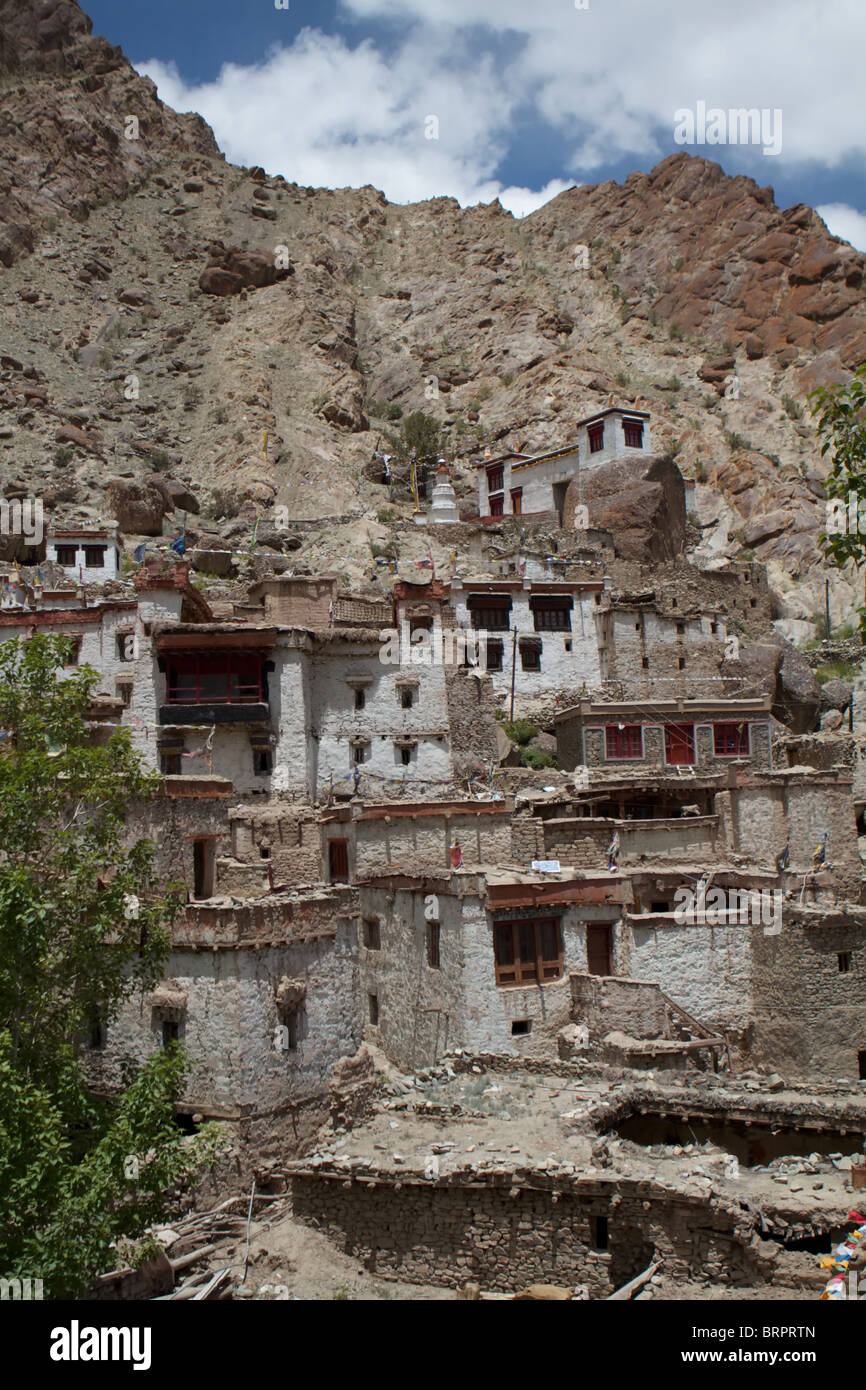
520,485
87,554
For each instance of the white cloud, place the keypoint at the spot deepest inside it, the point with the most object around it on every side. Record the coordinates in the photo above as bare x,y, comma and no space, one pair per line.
846,222
605,81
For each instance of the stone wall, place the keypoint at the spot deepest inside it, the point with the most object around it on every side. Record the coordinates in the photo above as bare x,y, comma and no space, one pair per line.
507,1234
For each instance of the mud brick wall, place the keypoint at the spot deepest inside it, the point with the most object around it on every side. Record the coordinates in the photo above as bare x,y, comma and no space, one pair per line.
471,724
480,1232
527,840
421,842
286,837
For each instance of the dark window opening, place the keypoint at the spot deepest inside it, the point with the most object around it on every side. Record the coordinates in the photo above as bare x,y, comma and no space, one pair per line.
861,1063
681,663
338,861
204,865
292,1024
753,603
227,678
73,651
600,1235
433,945
263,762
170,764
494,656
527,951
67,554
170,1032
94,556
98,1034
372,933
551,614
496,505
124,692
625,742
843,960
407,698
530,654
645,663
405,756
596,437
360,699
520,1027
568,644
633,431
489,614
681,627
495,478
359,752
659,906
373,1008
264,851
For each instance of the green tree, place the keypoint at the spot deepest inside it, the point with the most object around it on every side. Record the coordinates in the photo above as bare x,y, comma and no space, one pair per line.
82,926
419,433
841,420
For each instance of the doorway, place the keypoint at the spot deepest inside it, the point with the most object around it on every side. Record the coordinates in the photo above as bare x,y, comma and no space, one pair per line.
203,864
559,492
599,948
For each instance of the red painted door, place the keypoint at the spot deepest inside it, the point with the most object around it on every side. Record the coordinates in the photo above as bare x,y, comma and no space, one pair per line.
680,744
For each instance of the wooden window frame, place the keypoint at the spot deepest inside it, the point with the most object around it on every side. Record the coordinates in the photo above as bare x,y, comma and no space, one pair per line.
526,969
497,505
338,873
517,501
183,678
736,734
495,654
434,944
631,430
62,552
628,737
596,437
496,478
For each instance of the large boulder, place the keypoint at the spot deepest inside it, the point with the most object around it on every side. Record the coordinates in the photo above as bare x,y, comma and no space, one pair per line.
798,694
836,694
232,270
138,507
641,501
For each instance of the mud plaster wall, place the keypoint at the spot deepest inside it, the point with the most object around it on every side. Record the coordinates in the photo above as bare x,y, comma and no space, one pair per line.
766,817
422,842
450,1235
230,1021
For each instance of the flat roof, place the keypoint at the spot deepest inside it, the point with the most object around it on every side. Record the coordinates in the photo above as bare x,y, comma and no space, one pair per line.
608,711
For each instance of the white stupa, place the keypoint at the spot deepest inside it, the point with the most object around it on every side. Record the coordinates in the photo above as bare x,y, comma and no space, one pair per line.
443,508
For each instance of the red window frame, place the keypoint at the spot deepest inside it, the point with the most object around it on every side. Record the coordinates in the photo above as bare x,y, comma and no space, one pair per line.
232,678
495,478
596,437
496,505
625,742
731,740
680,745
633,432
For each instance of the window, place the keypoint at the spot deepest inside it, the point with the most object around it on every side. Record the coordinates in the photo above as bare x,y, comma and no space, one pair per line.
359,752
338,861
527,952
645,663
633,431
598,1227
407,697
494,656
292,1025
372,933
489,612
170,764
170,1032
517,501
360,699
94,556
861,1064
264,851
73,651
495,478
520,1027
624,742
730,740
373,1008
221,678
530,653
680,744
843,960
66,555
596,437
497,505
681,627
568,644
405,756
552,613
433,945
98,1033
204,867
124,692
681,663
263,762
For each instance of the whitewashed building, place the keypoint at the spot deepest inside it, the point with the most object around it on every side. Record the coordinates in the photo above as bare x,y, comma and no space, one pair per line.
520,485
88,555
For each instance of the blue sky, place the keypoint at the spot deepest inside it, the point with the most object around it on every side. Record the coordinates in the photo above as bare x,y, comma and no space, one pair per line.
514,98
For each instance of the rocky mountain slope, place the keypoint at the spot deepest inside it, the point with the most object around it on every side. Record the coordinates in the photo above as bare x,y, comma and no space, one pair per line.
151,360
